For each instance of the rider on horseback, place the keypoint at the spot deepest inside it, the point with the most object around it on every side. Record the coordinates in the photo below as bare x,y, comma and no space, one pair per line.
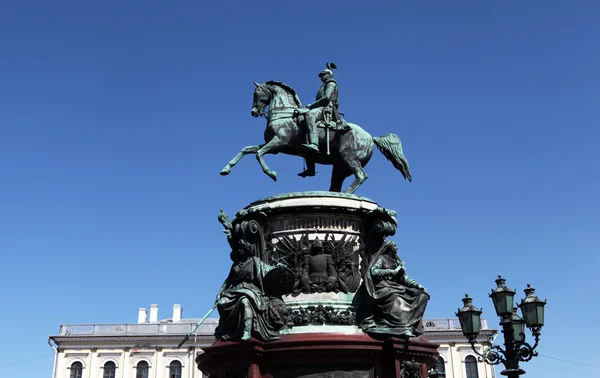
348,151
325,106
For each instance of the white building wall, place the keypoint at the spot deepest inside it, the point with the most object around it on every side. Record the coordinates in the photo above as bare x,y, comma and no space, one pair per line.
159,360
154,342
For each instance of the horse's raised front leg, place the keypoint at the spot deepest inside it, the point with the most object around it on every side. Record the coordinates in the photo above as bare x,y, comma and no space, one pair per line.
246,150
272,147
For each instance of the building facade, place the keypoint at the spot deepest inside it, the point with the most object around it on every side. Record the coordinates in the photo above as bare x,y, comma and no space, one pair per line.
148,348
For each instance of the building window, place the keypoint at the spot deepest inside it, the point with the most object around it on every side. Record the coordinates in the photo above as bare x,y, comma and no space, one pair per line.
441,365
76,370
141,370
109,370
175,369
471,367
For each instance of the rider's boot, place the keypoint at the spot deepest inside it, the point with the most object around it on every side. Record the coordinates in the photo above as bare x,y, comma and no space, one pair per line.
311,147
313,137
309,171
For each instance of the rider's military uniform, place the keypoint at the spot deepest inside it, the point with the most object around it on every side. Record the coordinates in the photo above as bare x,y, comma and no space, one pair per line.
327,100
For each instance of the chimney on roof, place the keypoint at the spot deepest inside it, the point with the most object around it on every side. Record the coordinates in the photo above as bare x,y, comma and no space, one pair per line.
142,313
153,313
177,312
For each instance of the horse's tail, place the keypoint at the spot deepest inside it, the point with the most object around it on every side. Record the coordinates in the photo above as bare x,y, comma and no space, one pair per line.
391,147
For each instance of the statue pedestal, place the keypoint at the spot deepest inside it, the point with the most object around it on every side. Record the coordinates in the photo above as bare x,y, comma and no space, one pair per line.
325,242
319,355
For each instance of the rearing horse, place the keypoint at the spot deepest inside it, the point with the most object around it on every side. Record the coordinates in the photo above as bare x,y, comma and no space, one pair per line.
349,151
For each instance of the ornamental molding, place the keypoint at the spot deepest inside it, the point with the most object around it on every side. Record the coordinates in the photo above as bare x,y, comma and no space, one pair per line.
455,335
129,341
72,357
323,315
143,356
466,352
104,357
175,353
173,357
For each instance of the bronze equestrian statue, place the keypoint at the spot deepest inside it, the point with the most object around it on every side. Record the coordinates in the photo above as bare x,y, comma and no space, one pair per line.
317,133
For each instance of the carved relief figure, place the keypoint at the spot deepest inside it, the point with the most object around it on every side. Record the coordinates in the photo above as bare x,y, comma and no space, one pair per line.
410,369
321,266
391,302
319,273
245,307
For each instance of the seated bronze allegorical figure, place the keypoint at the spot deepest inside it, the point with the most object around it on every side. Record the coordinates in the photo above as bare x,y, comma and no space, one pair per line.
245,307
389,301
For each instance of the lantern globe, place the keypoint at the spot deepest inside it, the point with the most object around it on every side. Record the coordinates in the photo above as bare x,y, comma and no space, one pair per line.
532,308
503,298
470,318
518,325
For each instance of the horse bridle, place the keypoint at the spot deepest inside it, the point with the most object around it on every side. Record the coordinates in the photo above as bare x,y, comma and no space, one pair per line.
261,109
283,109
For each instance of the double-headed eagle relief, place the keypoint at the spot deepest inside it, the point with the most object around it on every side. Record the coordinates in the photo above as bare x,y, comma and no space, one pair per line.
321,266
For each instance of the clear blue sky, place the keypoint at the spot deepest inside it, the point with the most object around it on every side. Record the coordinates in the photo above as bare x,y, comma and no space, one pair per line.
116,117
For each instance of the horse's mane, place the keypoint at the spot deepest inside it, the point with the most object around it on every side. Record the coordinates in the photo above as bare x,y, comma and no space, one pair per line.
288,89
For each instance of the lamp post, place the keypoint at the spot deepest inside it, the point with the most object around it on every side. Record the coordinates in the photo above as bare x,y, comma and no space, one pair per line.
513,327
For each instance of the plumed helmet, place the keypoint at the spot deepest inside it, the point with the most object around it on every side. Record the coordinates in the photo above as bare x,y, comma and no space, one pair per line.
328,70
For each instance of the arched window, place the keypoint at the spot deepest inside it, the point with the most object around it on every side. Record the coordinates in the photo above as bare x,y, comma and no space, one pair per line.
110,370
471,367
441,365
76,370
175,369
141,370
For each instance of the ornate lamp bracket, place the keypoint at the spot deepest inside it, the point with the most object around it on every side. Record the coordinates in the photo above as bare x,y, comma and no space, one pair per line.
525,351
492,354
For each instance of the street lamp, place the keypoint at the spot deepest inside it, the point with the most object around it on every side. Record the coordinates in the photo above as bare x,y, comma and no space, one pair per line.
470,318
503,298
513,327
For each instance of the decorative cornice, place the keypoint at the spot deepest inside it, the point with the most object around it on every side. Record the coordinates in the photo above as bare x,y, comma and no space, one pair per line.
129,339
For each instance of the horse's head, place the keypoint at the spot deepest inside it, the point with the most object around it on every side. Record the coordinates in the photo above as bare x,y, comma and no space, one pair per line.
275,95
262,98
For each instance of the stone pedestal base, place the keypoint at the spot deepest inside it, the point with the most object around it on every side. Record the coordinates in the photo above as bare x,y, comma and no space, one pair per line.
320,355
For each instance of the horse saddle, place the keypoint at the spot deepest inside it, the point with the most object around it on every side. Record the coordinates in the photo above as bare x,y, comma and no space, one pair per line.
339,125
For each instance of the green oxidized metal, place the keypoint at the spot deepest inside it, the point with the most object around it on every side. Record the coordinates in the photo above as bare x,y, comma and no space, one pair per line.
318,134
